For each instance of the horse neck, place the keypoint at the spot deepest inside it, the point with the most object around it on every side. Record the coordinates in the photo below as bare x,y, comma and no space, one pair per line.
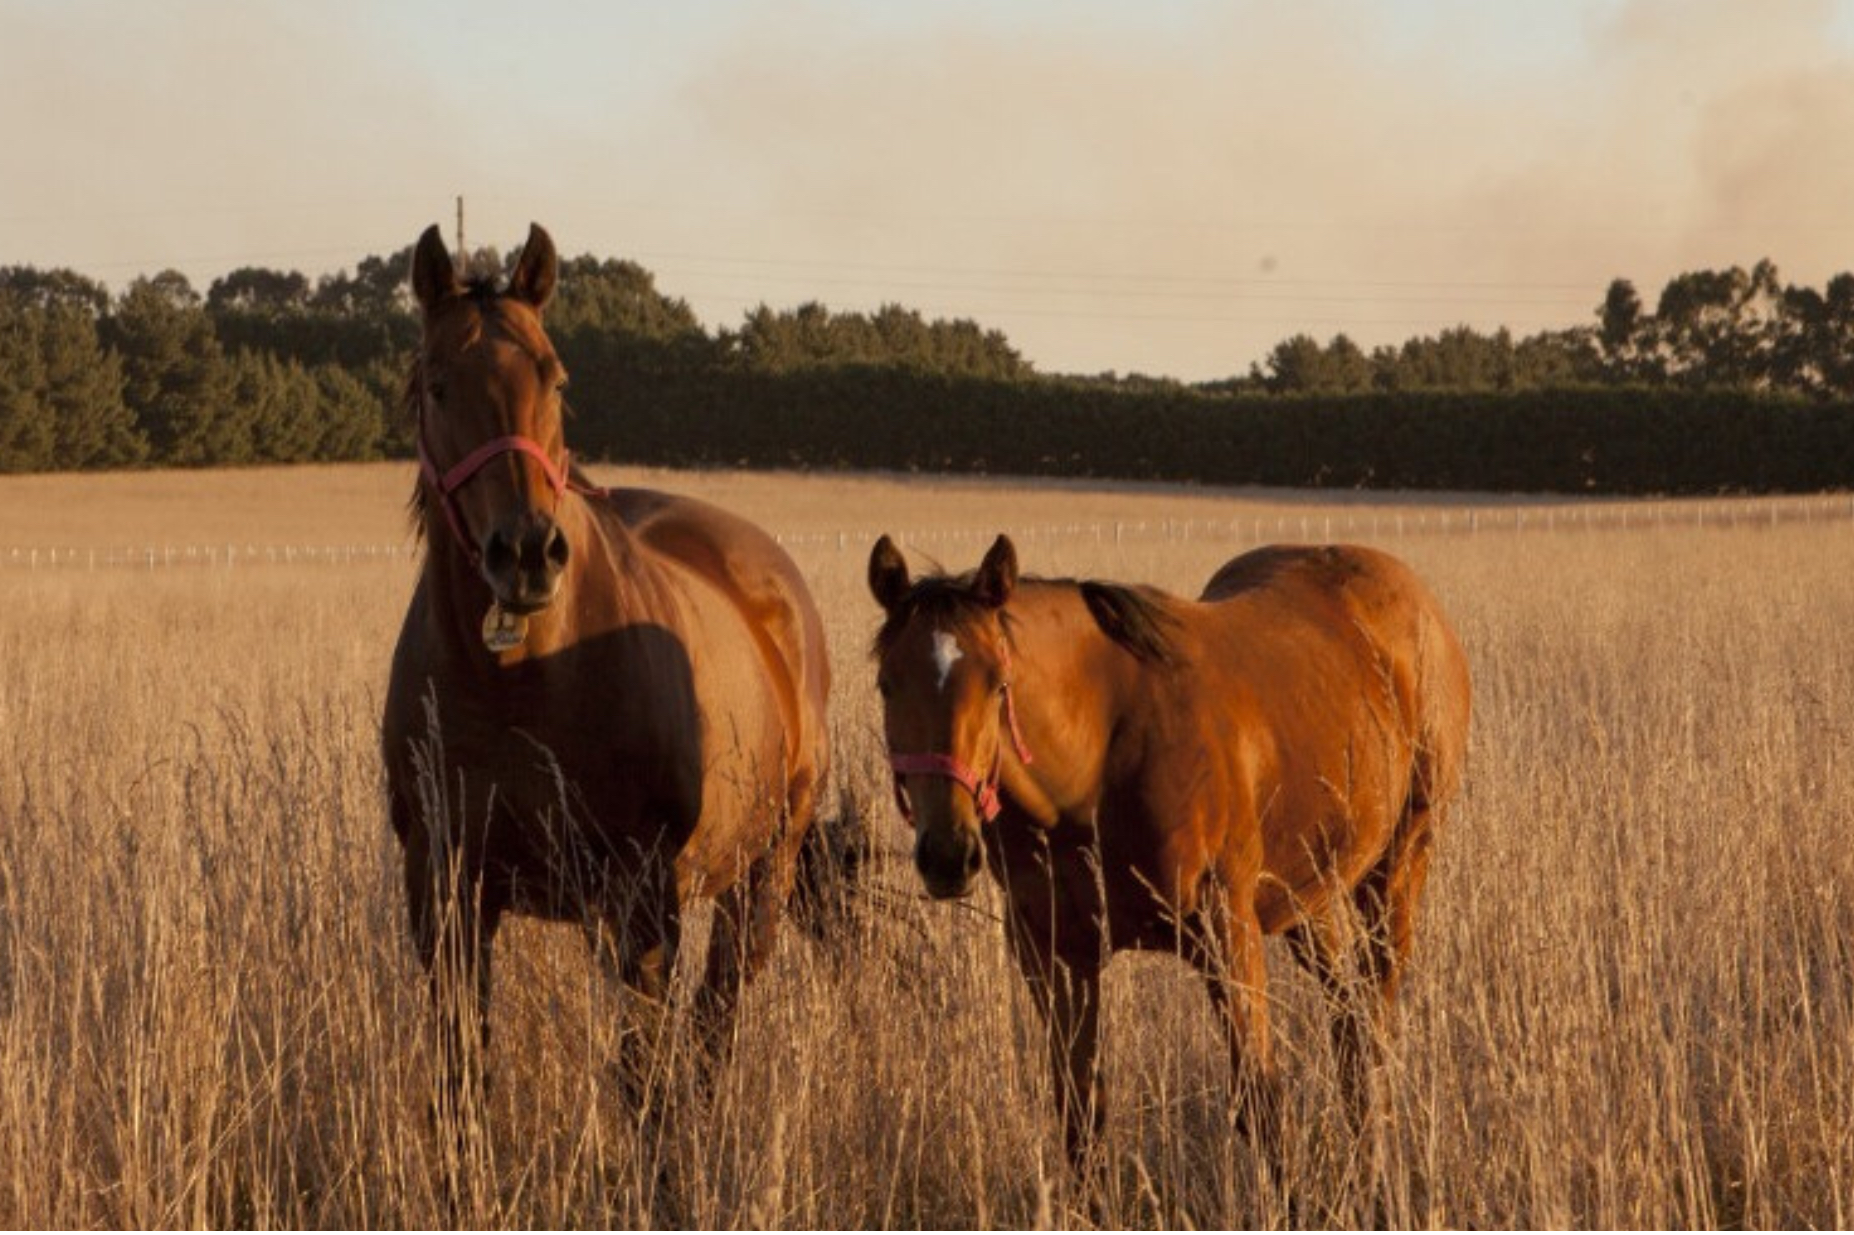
1066,684
1051,629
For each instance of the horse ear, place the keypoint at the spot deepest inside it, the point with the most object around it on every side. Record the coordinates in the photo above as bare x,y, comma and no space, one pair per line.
537,270
888,574
434,276
997,574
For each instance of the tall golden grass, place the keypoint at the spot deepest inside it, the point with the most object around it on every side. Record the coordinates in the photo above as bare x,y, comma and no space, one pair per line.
1633,1003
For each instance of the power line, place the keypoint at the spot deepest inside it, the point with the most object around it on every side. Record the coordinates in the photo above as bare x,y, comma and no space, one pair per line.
229,260
953,278
1489,297
1096,275
1277,320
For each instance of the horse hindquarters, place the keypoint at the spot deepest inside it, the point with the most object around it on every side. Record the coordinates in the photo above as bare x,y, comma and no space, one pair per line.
1361,950
1388,896
758,810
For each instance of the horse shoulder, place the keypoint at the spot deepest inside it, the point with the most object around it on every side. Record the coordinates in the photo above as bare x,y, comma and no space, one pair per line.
1189,743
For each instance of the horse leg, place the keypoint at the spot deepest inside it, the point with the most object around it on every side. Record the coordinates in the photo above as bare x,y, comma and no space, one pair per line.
718,999
454,918
741,941
1360,965
635,938
1387,899
636,942
1361,969
1067,994
1229,953
1329,947
815,900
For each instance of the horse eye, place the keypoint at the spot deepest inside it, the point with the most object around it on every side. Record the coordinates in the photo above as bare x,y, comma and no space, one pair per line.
561,385
436,390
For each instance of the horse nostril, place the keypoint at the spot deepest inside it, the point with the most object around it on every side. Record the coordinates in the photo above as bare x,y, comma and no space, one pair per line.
498,553
557,550
974,859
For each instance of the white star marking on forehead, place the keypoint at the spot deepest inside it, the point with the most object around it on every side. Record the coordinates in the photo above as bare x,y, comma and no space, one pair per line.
945,652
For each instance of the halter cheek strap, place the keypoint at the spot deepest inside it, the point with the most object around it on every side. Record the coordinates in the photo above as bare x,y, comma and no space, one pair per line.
984,790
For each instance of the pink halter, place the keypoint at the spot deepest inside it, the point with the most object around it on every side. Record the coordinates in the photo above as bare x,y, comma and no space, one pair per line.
445,484
984,790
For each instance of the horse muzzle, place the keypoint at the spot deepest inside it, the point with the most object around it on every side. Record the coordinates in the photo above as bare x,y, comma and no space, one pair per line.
949,862
524,562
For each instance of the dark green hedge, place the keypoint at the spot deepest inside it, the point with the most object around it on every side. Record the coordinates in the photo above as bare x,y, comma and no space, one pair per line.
1608,440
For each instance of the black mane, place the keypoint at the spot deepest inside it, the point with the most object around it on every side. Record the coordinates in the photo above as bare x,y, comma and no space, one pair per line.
1135,618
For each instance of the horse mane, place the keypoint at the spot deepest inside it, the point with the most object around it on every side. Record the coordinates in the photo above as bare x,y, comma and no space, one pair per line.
1134,618
408,407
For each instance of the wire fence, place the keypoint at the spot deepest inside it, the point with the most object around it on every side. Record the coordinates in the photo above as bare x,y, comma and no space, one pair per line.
1371,523
168,556
1379,523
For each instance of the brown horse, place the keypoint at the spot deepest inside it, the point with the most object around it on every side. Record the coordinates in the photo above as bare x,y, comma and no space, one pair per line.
1142,771
603,703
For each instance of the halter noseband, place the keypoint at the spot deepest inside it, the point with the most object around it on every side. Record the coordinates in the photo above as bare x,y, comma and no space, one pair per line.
447,483
984,790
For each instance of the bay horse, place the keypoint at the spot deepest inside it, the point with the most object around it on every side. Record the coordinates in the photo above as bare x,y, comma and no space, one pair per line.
1138,770
603,703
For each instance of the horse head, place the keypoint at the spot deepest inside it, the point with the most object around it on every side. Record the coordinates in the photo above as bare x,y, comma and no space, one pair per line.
492,455
944,671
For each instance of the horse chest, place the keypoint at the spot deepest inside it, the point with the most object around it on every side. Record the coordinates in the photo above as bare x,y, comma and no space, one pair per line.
551,741
1088,875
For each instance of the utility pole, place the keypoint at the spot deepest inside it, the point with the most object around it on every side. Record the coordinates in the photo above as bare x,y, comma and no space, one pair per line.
462,260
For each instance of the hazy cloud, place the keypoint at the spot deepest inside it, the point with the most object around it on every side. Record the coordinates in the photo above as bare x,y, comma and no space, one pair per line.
1171,191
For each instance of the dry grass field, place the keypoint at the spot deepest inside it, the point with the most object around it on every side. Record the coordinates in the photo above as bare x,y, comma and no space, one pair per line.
1633,1003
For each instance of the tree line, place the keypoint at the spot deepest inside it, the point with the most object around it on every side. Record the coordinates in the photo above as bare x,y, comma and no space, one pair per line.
1588,440
1728,329
272,366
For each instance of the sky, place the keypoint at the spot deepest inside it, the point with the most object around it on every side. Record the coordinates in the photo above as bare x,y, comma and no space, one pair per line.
1166,187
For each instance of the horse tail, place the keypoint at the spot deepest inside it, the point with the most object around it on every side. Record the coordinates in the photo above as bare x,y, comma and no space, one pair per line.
1444,709
831,864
